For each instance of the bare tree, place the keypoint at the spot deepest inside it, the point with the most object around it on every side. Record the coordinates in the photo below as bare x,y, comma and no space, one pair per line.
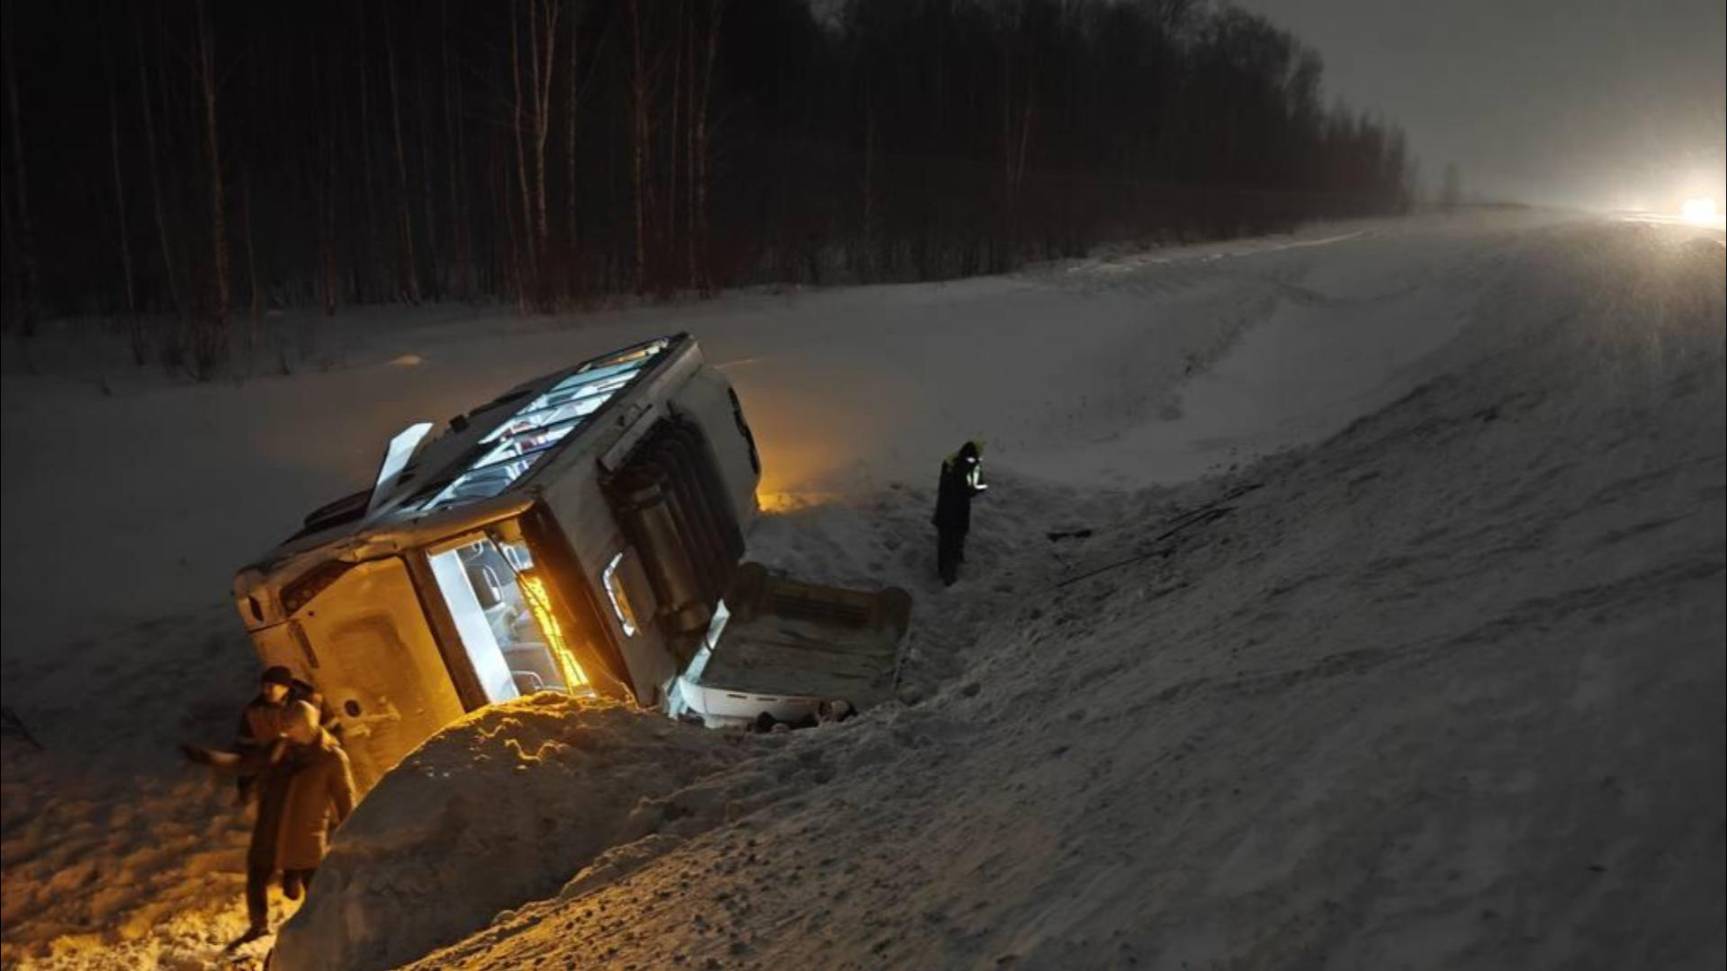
532,121
544,38
1015,124
427,193
145,100
26,238
572,101
408,273
680,134
454,139
212,340
365,263
925,139
687,143
331,277
526,254
869,178
639,118
575,96
119,180
702,153
254,291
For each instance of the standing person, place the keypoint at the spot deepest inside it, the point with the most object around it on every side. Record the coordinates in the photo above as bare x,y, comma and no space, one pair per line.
961,479
265,766
265,759
256,761
271,772
262,720
319,795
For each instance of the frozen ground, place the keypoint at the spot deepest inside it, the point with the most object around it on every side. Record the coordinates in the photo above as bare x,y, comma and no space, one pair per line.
1442,691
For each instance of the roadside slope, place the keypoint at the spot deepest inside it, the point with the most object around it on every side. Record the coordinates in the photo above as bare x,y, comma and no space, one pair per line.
1444,691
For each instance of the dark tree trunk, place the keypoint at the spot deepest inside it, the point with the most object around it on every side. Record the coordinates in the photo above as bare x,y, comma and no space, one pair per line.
210,345
145,98
408,273
26,236
119,183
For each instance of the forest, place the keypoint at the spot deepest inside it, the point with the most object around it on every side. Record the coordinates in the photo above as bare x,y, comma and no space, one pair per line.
206,161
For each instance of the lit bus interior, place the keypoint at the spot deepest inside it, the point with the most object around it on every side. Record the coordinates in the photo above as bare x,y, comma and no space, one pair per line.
504,616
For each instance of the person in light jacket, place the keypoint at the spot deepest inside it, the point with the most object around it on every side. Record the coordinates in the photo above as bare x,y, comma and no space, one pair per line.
319,796
304,789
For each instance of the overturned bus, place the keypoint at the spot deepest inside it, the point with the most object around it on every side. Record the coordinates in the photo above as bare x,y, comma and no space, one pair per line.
581,533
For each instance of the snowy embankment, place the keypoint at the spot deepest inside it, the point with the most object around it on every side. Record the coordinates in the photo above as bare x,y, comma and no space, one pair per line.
1445,690
502,808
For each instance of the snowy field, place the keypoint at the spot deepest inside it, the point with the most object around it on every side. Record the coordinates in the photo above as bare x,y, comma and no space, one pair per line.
1396,643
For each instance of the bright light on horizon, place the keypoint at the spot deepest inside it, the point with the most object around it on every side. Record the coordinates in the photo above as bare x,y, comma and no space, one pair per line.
1702,211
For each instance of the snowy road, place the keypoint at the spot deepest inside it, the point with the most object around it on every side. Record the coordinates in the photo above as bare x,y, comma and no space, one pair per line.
1442,691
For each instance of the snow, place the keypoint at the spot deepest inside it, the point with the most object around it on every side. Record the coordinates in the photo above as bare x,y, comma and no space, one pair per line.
500,808
115,855
896,373
1442,689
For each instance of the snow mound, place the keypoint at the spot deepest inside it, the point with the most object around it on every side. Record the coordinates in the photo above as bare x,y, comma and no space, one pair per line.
1472,644
501,808
1443,691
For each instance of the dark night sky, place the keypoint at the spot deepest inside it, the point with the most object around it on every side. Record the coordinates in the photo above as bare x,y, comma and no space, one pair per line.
1584,102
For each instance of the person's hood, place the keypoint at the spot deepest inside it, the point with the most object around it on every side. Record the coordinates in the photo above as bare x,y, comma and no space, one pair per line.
960,455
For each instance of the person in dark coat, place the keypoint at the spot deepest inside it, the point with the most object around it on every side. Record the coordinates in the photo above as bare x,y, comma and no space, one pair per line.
318,797
961,479
267,769
262,720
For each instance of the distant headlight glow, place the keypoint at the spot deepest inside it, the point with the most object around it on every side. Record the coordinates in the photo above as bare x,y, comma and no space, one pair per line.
1700,210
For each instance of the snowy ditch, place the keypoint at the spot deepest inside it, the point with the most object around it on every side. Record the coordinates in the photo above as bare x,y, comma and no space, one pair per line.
1429,695
1167,761
503,808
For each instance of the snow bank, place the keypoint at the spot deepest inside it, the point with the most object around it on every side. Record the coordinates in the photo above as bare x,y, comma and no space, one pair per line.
500,808
1521,561
118,552
1444,691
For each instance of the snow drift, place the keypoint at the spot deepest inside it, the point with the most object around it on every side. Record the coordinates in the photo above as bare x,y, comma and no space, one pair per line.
500,808
119,552
1442,692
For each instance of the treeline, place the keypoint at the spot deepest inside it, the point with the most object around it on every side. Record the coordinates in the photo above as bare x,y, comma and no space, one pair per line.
210,160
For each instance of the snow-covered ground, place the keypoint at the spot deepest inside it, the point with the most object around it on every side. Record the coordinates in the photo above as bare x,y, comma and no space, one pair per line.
1440,687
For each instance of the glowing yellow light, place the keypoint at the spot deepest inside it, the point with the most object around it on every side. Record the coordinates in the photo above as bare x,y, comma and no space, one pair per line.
772,502
1700,210
781,502
534,591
